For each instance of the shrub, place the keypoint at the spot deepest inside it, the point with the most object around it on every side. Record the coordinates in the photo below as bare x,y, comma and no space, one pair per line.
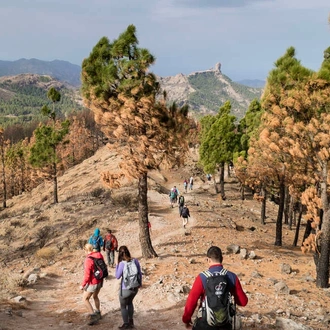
128,201
97,192
44,235
47,253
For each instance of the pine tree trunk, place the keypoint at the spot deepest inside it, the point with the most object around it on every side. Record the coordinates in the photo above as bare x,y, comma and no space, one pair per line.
278,239
222,181
291,212
295,241
263,205
55,184
242,190
144,234
322,266
286,206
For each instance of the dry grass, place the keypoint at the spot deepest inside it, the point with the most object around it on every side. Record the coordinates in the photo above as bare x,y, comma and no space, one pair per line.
47,254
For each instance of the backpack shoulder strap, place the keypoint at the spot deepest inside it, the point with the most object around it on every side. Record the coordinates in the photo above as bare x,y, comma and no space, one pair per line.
207,273
223,271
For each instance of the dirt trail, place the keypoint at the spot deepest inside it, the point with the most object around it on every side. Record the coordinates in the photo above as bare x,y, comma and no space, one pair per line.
55,301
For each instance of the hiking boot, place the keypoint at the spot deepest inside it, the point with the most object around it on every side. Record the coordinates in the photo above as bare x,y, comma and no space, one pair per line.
131,324
125,326
92,319
98,313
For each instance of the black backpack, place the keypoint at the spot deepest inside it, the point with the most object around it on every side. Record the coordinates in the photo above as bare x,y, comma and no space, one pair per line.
100,268
216,308
181,200
184,212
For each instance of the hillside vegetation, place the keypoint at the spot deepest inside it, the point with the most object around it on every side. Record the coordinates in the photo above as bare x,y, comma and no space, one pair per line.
22,97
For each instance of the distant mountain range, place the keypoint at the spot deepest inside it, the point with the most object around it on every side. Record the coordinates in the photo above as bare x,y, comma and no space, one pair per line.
204,91
60,70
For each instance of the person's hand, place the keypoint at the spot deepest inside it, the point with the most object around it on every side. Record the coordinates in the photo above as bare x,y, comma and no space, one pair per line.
188,325
81,287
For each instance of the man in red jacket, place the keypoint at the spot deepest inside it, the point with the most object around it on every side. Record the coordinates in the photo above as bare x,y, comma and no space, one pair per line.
214,259
110,246
91,285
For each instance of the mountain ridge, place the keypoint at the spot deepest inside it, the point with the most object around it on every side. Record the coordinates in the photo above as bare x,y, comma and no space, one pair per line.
205,91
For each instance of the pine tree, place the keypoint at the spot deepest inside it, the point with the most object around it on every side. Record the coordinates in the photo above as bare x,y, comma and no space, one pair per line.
48,138
219,142
122,93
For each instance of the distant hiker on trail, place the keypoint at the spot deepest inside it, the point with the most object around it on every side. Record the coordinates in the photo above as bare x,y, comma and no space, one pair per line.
180,203
185,185
214,285
149,227
110,246
173,195
96,240
191,183
129,270
91,285
185,215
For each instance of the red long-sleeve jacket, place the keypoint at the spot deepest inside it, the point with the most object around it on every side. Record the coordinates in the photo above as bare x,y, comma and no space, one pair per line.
197,292
89,269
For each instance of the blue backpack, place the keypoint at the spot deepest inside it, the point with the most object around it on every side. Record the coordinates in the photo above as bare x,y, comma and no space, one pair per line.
95,241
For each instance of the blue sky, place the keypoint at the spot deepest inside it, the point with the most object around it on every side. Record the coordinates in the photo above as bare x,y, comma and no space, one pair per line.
245,36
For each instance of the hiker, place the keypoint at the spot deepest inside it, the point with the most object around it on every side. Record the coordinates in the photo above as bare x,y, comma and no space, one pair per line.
184,214
91,286
185,185
96,240
129,285
110,246
173,195
200,290
180,203
191,183
149,227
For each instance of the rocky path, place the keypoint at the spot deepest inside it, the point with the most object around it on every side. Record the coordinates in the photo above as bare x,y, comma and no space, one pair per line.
54,302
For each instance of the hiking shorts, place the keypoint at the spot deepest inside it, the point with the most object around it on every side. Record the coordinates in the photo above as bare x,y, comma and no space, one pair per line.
93,287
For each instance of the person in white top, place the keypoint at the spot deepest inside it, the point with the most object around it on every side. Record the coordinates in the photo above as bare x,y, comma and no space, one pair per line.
191,183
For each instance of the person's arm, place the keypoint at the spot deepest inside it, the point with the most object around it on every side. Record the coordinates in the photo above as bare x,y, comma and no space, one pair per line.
239,295
196,292
119,270
88,264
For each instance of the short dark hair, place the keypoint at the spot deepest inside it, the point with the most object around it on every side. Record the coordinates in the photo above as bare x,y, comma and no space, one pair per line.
109,231
214,253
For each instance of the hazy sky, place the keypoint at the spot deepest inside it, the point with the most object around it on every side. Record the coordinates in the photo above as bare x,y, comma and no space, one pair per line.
245,36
